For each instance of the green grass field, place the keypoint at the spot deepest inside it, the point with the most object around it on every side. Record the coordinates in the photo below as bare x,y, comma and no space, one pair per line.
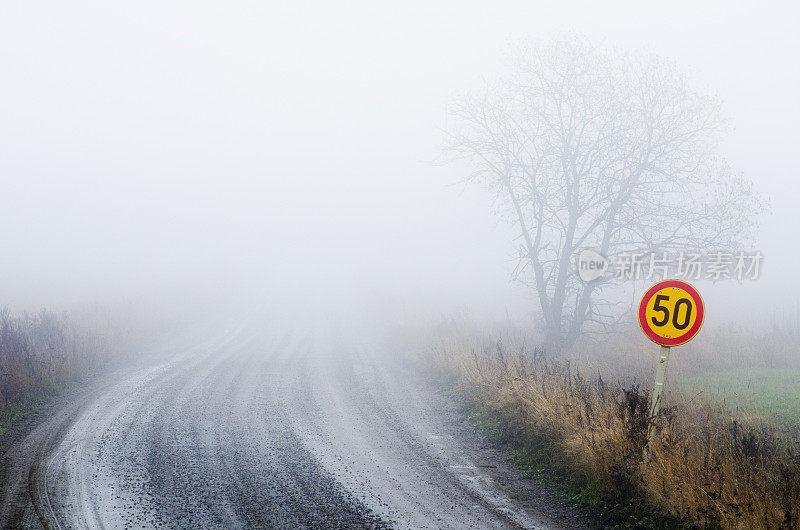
759,390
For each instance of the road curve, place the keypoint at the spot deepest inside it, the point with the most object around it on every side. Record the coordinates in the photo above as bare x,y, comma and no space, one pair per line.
299,426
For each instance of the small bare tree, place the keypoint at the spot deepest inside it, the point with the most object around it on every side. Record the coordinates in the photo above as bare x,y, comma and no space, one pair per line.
588,148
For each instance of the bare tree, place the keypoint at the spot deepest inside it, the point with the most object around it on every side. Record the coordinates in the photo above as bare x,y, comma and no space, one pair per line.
586,148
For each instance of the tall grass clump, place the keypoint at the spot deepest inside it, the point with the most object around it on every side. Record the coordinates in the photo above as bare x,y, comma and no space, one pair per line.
40,352
708,469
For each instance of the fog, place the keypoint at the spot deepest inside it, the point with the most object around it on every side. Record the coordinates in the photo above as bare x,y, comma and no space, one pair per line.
190,150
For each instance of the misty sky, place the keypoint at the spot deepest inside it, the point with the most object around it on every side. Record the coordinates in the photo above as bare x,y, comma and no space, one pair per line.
154,147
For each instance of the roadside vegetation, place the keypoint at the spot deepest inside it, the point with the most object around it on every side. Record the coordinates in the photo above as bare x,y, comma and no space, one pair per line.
581,420
41,352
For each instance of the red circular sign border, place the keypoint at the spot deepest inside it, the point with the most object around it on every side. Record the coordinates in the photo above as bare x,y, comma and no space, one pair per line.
677,341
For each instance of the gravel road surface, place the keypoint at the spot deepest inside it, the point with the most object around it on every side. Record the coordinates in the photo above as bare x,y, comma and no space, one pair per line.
290,426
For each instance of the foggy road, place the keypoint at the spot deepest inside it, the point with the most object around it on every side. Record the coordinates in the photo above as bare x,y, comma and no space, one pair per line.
308,426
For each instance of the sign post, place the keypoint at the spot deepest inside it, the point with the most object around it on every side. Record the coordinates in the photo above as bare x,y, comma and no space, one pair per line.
671,313
655,403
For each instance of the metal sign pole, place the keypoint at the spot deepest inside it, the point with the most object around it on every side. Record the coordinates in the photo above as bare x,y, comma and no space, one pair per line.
655,405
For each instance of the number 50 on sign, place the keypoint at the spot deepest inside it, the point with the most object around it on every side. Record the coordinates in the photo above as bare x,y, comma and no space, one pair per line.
671,312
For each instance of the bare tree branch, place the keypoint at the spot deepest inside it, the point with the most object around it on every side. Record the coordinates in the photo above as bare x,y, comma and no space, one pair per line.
586,148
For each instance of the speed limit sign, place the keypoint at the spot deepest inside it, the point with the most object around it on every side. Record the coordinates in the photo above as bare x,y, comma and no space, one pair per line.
671,312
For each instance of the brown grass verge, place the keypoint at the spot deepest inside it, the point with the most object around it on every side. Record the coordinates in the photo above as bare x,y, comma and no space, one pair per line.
707,469
40,352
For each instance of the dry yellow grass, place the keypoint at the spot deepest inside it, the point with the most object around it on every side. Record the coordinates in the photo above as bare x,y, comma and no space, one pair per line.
707,469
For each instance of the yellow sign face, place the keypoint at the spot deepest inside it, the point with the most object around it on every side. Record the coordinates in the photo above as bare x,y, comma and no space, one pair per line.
671,312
